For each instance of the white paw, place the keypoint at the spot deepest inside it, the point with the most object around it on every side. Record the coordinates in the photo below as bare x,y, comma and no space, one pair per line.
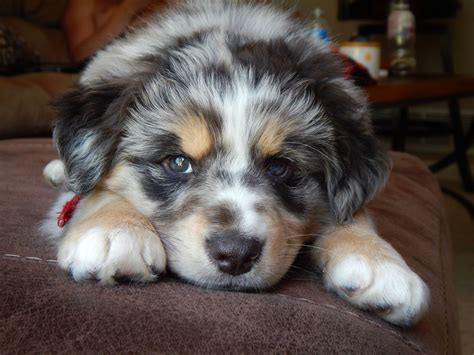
54,173
386,286
109,254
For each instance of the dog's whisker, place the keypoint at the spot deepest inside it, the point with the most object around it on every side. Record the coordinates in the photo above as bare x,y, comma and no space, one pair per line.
304,235
311,247
312,273
303,252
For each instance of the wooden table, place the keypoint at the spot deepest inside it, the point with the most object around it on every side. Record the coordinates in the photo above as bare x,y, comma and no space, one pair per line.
406,92
402,93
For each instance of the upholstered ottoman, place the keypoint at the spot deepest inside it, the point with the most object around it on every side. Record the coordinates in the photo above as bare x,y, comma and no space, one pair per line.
42,310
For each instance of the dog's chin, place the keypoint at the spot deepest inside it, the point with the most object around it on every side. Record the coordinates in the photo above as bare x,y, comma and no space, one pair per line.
248,282
241,283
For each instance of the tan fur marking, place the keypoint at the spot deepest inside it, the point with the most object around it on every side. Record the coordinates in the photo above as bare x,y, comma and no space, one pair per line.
193,227
196,138
198,224
285,237
357,238
123,181
112,175
271,139
116,214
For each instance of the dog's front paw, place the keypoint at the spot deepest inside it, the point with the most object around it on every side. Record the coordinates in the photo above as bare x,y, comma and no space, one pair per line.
111,253
384,285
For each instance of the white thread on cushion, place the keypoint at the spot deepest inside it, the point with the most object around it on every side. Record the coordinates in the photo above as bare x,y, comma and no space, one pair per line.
29,258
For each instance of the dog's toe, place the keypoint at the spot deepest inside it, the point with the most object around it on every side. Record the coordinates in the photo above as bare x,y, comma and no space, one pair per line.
351,275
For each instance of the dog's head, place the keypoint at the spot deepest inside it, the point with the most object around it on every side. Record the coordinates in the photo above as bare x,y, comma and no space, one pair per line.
237,148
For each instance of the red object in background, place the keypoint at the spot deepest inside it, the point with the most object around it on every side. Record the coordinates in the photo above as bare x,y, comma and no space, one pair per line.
353,70
67,210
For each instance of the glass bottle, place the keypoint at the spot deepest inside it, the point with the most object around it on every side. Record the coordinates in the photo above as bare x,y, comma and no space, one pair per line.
401,38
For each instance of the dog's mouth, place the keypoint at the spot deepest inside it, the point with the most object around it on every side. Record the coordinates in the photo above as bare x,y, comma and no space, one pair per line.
222,274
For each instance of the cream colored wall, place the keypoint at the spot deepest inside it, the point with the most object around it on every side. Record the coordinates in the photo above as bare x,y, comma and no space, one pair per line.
463,38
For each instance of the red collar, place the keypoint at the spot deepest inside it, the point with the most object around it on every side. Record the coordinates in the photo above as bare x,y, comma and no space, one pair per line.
68,209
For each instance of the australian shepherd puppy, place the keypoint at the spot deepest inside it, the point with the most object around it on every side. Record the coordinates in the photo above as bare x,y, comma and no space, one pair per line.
215,141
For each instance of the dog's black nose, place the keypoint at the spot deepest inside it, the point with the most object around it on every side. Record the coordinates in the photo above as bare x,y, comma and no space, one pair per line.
234,255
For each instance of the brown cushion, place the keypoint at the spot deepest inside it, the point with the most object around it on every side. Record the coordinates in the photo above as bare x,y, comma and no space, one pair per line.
42,12
49,44
25,109
41,309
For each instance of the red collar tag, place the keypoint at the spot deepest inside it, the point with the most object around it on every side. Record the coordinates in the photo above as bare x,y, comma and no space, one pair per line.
67,210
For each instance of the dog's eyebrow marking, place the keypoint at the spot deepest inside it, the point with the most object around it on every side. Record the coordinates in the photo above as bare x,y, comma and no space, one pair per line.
270,139
196,138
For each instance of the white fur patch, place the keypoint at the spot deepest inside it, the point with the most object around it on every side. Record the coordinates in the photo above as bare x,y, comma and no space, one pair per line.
54,173
244,200
49,226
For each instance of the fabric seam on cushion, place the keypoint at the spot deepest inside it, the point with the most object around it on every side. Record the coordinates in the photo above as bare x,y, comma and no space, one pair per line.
25,145
392,333
28,258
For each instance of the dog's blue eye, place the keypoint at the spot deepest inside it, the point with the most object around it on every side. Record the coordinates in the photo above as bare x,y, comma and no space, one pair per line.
179,164
278,168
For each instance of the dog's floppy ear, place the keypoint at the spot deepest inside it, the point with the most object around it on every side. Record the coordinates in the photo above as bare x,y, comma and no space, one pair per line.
362,165
87,131
362,171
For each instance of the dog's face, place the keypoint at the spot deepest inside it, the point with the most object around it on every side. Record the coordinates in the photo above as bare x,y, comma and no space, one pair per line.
236,186
236,160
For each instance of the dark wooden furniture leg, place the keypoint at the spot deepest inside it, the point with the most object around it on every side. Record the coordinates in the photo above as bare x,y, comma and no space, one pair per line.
400,129
461,145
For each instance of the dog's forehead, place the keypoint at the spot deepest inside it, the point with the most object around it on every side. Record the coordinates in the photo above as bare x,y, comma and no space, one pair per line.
250,126
241,121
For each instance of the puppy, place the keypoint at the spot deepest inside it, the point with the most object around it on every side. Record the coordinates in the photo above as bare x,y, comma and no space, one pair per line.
215,141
